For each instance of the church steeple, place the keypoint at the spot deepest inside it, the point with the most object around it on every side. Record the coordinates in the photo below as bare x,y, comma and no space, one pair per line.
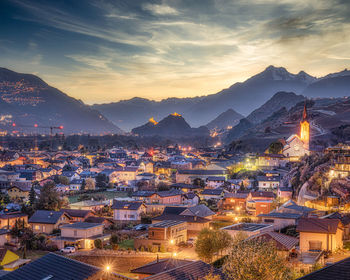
304,113
305,129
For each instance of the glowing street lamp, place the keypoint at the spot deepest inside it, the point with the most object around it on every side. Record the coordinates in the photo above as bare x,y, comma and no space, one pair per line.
171,241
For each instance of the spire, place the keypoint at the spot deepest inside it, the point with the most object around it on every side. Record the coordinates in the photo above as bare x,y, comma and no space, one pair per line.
305,113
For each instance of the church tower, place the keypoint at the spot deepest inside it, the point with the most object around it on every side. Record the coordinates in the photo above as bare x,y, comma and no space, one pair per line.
305,129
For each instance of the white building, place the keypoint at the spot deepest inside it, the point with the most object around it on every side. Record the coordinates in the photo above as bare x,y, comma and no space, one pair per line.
128,210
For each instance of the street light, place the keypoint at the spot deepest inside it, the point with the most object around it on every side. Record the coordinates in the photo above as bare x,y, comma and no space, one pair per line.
171,241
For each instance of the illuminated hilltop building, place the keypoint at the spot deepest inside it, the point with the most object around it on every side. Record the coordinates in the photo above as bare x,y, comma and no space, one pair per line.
298,145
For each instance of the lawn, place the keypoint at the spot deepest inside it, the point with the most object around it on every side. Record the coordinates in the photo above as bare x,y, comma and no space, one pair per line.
107,194
35,254
126,244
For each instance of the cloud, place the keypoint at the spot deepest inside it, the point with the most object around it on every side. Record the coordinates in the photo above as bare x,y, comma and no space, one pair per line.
120,49
160,9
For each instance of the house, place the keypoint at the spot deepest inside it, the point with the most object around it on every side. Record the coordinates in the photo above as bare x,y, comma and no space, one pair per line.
207,194
280,220
158,266
297,146
234,201
259,202
92,205
268,182
61,188
200,211
8,220
291,207
215,181
284,193
186,187
128,210
44,221
18,192
339,270
320,234
81,235
53,266
188,176
248,229
11,261
78,215
190,199
161,197
190,271
166,233
194,222
345,220
107,222
284,243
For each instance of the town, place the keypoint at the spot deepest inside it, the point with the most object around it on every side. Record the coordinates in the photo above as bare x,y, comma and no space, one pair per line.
177,212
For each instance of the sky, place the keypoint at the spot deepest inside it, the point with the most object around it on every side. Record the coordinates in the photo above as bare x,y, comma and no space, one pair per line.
102,51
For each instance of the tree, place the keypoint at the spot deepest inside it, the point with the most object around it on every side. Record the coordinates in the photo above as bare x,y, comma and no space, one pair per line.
32,196
255,259
90,184
275,147
98,243
49,198
102,181
83,185
61,180
223,240
210,242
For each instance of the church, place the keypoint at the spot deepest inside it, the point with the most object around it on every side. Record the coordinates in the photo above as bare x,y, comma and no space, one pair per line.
298,145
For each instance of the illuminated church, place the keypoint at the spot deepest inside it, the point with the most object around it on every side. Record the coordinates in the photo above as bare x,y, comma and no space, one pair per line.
298,145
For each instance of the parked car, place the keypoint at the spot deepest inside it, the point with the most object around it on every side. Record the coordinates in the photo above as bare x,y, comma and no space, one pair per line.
191,241
141,227
68,250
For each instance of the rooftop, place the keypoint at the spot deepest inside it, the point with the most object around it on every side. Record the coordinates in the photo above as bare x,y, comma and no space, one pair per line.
81,225
166,224
246,227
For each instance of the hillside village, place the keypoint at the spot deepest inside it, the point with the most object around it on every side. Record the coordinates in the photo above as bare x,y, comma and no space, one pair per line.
157,204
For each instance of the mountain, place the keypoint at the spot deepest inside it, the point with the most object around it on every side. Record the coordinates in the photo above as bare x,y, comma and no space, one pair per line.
279,100
26,100
174,125
333,85
329,124
242,97
225,119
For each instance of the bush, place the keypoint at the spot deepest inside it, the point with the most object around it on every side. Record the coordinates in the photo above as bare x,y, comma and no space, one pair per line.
98,243
162,248
154,249
149,248
142,249
115,246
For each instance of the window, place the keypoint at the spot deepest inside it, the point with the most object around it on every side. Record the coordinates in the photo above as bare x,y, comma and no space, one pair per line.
315,245
37,227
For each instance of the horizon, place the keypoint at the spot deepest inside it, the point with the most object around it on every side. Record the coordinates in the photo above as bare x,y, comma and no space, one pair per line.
103,52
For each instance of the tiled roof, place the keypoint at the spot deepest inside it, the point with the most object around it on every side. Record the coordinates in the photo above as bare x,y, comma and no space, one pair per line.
126,205
173,210
212,191
191,271
339,270
160,266
174,217
282,241
262,194
202,172
46,217
13,215
241,195
200,210
58,267
166,224
76,212
281,215
318,225
81,225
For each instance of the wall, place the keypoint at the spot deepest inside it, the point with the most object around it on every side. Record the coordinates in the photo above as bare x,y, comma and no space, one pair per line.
334,240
